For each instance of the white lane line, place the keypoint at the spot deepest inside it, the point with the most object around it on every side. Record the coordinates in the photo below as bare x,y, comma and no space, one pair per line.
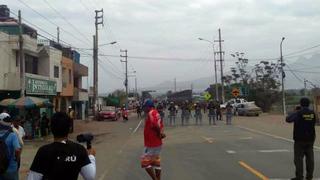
271,135
135,130
246,138
230,152
274,151
104,174
208,139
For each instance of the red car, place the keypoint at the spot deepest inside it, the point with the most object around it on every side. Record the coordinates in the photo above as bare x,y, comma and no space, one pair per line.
108,113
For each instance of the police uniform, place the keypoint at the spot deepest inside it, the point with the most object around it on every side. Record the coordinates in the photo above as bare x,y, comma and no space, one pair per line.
304,136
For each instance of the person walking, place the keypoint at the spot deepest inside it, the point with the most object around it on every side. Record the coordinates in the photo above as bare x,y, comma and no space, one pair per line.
160,109
304,136
9,142
62,159
172,114
153,135
211,113
229,114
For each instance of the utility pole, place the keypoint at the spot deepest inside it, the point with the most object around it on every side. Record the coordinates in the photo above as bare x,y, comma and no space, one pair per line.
21,58
305,87
215,75
98,21
126,80
282,80
136,86
175,84
58,35
220,52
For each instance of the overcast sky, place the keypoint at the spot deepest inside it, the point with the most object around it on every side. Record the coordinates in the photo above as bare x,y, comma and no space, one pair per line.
171,28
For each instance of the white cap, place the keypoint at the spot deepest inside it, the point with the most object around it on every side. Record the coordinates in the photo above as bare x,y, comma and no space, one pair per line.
4,115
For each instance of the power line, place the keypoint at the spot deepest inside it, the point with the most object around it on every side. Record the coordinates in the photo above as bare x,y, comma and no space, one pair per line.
294,74
305,49
51,22
66,20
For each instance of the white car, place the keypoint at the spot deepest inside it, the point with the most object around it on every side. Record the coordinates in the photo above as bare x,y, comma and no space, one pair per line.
233,102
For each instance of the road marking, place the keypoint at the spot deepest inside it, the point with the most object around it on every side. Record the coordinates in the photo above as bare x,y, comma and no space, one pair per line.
209,140
105,173
274,151
135,130
246,138
271,135
230,152
253,171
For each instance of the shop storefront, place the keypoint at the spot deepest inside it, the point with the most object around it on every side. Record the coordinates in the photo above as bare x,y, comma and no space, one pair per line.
42,88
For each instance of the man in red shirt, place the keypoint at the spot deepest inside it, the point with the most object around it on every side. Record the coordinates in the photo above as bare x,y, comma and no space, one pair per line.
153,135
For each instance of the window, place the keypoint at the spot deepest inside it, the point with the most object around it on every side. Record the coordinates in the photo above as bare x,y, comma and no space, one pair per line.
70,76
56,71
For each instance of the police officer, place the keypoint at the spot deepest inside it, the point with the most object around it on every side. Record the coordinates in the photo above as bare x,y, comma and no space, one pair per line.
212,113
172,113
304,135
198,114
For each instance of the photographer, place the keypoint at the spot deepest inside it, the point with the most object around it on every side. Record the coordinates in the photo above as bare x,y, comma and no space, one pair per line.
304,136
62,159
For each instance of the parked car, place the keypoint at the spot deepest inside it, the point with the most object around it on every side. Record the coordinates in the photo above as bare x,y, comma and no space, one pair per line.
248,109
234,103
108,113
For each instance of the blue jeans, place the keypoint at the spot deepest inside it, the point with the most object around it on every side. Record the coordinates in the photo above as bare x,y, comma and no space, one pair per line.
10,176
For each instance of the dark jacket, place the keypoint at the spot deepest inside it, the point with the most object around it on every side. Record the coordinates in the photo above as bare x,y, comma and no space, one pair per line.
304,125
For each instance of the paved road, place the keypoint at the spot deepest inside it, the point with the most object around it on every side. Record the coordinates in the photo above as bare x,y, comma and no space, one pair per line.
252,148
201,152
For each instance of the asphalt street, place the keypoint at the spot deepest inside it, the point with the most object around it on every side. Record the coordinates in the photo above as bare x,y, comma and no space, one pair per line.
198,152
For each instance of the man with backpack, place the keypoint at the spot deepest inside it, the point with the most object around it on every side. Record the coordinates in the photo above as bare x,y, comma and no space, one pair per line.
10,150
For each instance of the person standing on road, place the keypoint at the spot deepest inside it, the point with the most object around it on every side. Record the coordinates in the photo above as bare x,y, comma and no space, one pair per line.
172,114
211,113
185,113
139,111
304,136
9,142
62,159
72,117
219,111
153,135
198,114
228,114
160,109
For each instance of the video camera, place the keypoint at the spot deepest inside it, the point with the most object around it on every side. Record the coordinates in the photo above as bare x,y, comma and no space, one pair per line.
85,138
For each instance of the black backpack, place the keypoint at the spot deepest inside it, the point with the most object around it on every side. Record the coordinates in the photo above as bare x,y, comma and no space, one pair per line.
4,154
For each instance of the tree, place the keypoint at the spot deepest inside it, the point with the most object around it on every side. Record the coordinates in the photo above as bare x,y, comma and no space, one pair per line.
263,82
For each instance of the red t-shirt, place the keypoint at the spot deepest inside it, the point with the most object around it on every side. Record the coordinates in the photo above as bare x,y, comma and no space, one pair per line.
151,135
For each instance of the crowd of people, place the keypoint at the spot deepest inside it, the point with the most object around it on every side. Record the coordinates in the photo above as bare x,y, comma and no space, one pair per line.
189,111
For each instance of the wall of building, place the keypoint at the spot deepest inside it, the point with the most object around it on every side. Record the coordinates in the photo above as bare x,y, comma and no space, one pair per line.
55,60
9,69
67,77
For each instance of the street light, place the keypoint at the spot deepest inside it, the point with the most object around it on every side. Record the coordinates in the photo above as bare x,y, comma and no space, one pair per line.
215,67
113,42
282,79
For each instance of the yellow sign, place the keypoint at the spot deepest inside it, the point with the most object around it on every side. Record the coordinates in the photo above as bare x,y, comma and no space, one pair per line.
207,96
235,92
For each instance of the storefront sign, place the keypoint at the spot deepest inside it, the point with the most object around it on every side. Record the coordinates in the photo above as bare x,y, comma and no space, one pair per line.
40,86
